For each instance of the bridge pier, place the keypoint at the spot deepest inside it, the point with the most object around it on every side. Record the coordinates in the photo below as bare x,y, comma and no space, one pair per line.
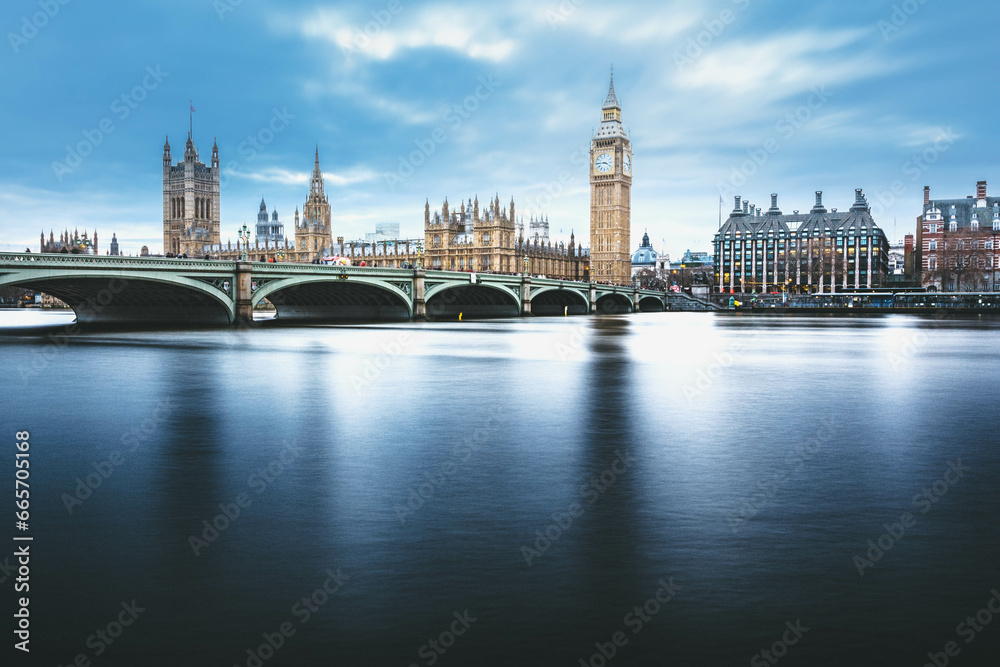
419,290
635,300
593,298
244,294
525,296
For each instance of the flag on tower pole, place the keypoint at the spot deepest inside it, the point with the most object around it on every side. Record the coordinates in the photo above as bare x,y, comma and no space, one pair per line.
191,129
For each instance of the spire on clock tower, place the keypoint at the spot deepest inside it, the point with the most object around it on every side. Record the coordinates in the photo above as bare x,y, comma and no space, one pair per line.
611,118
611,102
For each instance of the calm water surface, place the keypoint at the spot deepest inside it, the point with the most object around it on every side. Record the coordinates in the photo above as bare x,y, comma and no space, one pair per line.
429,467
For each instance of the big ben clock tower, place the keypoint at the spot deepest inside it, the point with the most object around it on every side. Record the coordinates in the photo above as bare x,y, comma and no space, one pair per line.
610,197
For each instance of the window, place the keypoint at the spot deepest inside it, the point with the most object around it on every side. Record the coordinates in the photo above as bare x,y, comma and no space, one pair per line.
952,226
932,245
486,238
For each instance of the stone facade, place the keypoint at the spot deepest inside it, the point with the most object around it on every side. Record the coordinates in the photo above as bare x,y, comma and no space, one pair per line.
610,197
314,231
469,238
70,242
269,230
190,202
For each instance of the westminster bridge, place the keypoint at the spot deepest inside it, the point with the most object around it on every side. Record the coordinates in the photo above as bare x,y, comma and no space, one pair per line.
150,290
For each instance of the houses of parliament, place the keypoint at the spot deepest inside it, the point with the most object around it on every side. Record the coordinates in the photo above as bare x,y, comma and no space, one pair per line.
467,237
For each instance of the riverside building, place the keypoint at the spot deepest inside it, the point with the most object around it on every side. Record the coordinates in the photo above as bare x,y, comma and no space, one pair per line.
821,251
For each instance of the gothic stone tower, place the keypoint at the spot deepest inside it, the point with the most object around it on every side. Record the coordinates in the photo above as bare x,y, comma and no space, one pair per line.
610,197
190,202
314,234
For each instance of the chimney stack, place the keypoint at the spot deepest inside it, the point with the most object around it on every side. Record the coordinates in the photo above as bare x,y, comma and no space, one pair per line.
927,195
981,190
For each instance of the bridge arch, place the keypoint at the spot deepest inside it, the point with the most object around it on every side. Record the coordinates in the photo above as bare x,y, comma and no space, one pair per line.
651,304
123,297
614,303
449,299
557,300
333,299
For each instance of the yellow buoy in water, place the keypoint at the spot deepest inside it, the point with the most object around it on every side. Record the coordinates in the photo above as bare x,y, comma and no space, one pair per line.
460,317
566,311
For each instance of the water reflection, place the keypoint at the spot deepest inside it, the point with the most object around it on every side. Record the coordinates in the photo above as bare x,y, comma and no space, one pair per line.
425,458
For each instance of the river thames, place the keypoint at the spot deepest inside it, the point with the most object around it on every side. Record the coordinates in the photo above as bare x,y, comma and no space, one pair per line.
675,489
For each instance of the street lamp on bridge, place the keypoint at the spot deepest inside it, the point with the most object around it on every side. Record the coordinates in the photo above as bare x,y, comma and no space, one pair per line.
245,237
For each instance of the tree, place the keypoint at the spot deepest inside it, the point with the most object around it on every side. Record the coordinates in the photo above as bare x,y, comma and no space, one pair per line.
647,279
962,258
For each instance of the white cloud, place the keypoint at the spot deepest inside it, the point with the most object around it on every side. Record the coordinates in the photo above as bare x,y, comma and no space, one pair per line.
37,209
279,176
462,29
775,67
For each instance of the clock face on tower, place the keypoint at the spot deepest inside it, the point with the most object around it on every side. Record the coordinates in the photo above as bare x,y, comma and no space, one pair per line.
627,164
605,162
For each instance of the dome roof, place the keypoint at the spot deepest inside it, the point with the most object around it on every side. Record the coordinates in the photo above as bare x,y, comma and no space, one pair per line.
645,255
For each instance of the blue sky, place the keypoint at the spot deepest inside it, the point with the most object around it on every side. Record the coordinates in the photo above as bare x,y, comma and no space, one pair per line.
729,97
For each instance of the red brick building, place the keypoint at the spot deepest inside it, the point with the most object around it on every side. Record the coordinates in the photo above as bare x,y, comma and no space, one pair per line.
956,246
